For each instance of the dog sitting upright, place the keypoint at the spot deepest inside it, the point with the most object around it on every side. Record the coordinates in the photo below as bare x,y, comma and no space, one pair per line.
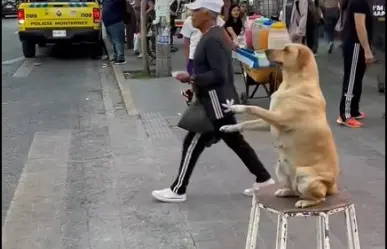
307,159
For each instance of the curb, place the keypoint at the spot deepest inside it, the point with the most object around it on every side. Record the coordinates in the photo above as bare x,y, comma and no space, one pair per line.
126,93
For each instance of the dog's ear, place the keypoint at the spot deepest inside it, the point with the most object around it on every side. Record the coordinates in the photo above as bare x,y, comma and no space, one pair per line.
303,57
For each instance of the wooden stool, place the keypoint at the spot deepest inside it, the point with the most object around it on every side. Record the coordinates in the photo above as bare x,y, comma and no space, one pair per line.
284,208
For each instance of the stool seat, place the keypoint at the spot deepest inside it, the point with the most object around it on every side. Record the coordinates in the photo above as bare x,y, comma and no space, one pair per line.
285,208
266,198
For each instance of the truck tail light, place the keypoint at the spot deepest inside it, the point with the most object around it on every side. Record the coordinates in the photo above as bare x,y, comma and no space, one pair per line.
20,15
96,15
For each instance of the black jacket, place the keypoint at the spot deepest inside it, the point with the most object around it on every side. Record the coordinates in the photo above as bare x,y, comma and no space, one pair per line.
214,74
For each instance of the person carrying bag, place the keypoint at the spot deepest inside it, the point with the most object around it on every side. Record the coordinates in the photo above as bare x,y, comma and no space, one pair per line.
213,85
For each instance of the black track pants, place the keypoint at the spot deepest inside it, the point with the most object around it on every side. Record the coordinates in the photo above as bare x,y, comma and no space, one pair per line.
195,143
354,69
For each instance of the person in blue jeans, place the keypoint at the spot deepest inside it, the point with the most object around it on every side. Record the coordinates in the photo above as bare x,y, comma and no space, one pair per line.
114,17
331,17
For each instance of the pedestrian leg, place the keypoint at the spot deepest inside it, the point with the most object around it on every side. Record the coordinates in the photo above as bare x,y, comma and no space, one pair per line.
118,37
248,156
331,19
358,84
316,38
308,41
193,146
110,33
353,54
312,33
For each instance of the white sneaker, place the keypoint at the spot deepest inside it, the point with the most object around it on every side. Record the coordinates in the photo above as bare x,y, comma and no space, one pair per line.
256,186
167,195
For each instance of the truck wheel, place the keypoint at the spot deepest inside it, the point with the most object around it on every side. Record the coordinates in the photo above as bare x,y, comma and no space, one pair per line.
29,49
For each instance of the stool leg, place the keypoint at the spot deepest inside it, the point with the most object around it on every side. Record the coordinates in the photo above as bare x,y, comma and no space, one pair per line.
282,232
323,232
349,228
352,229
252,232
320,242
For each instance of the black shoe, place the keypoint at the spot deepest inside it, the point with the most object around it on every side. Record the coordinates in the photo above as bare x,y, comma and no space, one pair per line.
174,49
119,62
330,47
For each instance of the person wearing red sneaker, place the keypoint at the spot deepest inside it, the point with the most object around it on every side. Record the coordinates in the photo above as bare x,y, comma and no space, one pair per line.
357,34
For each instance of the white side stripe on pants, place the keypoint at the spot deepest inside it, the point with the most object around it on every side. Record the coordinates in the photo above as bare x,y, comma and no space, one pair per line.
352,78
215,104
186,161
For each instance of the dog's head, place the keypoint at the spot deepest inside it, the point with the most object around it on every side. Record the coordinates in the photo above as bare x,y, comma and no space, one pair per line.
294,57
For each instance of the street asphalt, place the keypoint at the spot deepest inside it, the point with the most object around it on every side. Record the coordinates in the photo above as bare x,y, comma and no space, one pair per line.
77,170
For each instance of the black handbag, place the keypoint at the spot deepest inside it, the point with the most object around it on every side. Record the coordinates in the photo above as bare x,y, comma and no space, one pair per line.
195,119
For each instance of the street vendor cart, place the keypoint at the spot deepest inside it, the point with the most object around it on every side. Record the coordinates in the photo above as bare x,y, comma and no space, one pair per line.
257,72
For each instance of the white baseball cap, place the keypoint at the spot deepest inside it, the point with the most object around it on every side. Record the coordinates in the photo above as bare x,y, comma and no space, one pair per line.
213,5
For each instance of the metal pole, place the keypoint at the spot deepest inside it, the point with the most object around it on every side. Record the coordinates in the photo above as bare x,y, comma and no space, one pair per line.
284,15
163,31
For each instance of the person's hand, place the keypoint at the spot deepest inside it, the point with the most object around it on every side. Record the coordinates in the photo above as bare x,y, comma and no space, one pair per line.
183,77
295,37
369,57
235,46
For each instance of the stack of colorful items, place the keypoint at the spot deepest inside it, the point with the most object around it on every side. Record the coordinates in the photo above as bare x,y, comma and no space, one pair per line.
261,33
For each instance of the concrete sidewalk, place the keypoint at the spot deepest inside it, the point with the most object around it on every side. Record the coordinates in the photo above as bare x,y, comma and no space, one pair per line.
216,213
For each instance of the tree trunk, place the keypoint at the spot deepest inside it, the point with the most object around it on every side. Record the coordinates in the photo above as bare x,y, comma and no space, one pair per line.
144,43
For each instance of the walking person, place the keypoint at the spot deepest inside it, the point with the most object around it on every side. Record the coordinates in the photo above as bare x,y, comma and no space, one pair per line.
357,35
313,25
173,11
331,17
114,17
213,85
304,23
298,21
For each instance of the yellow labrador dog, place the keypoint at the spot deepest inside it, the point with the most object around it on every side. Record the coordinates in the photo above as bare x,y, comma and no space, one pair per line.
308,163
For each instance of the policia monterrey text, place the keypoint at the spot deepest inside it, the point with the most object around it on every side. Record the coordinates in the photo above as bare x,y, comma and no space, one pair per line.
58,23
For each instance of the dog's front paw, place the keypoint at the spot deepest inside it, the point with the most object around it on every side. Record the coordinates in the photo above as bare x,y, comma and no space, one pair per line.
238,108
230,107
308,203
285,192
230,128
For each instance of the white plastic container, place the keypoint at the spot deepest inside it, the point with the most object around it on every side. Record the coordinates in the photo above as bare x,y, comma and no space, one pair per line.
278,36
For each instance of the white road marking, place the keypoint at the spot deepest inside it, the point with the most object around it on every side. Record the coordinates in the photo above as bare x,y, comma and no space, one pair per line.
14,60
25,69
33,215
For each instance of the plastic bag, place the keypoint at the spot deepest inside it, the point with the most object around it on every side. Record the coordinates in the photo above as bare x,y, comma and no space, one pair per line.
137,43
339,24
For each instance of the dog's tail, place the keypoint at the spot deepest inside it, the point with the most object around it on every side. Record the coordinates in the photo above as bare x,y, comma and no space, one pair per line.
332,189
